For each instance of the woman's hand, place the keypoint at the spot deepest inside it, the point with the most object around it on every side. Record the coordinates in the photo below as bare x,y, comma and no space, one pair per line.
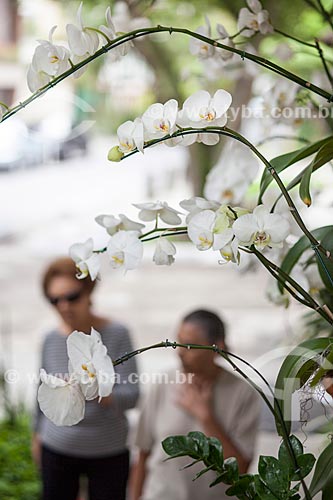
196,398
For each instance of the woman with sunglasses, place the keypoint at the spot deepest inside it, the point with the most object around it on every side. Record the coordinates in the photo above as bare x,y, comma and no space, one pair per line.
96,447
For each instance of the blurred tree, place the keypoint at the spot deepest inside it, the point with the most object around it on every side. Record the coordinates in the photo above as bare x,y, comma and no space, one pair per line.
9,23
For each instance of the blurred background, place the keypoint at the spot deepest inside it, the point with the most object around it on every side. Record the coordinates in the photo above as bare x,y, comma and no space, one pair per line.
55,178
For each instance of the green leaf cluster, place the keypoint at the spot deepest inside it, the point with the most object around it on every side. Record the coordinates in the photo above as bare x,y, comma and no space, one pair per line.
275,475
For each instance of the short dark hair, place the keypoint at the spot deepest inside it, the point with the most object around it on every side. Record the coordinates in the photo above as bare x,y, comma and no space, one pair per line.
64,266
211,323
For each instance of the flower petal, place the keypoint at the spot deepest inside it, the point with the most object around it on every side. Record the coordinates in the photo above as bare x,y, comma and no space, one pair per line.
221,102
61,402
245,228
104,367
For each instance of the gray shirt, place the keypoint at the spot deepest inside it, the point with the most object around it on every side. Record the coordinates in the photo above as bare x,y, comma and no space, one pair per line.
103,431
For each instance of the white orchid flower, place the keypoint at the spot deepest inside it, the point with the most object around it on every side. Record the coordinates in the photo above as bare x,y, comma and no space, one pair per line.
50,58
200,48
222,232
200,110
228,181
200,229
164,252
90,363
160,119
125,250
112,224
110,31
281,96
150,211
225,37
60,400
85,259
261,228
208,229
37,79
130,136
197,204
81,40
123,20
230,252
255,19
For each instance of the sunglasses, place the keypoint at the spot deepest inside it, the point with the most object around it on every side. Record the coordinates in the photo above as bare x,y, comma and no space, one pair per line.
70,297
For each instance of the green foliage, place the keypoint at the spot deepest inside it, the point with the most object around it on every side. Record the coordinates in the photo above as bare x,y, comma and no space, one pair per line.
296,369
302,245
18,475
280,163
274,477
323,474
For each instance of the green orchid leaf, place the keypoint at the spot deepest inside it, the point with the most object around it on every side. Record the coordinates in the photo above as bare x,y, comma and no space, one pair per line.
325,366
324,155
282,162
328,488
325,265
295,371
304,187
323,474
303,244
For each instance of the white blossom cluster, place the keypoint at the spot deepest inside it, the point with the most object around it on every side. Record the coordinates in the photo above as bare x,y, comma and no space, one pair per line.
251,20
208,224
51,60
200,110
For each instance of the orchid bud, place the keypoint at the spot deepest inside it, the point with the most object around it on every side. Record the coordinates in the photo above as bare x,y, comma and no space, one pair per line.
115,154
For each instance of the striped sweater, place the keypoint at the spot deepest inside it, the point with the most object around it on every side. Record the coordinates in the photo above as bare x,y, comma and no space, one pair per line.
103,431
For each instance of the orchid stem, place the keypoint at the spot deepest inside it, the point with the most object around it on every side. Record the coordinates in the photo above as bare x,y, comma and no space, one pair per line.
291,37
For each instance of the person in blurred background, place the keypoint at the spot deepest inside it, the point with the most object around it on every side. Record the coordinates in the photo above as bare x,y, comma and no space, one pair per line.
96,447
213,400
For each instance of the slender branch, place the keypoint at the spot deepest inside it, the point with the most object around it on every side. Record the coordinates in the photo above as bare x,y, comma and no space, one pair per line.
108,40
323,60
162,229
286,35
139,33
286,137
326,15
161,235
313,5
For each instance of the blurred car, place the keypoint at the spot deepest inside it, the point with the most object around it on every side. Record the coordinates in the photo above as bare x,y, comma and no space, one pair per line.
22,147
